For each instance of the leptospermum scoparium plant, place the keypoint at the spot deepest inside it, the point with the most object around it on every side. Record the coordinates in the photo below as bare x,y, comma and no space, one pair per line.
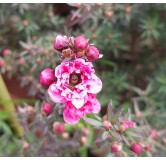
74,82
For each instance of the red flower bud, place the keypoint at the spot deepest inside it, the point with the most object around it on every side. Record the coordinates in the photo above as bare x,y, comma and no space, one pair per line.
107,125
136,148
83,141
154,134
47,108
58,127
81,43
116,147
21,62
47,77
2,63
92,53
147,147
6,52
61,42
124,125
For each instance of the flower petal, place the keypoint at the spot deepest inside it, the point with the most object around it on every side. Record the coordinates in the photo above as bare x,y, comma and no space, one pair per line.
95,105
78,102
70,115
95,85
55,94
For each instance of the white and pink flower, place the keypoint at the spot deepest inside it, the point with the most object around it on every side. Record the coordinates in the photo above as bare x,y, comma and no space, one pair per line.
76,86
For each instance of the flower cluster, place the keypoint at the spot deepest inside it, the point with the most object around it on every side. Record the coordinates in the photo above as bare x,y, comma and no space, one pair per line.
74,82
71,48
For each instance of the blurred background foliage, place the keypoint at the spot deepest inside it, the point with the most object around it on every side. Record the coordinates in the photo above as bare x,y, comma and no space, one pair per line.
131,38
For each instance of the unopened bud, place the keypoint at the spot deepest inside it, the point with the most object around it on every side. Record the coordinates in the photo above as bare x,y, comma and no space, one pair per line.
83,141
47,108
136,148
47,77
61,42
21,62
116,147
65,135
25,145
107,125
30,110
147,147
58,127
109,14
81,43
6,52
92,53
154,134
2,63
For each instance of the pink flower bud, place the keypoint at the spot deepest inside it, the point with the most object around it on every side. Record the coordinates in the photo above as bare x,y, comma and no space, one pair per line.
81,43
21,62
61,42
147,147
6,52
164,140
124,125
136,148
116,147
2,63
107,125
58,127
154,134
83,141
47,77
92,53
47,108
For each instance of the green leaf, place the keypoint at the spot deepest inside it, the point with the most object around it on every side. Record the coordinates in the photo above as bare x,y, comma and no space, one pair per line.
5,128
83,151
93,122
105,135
97,117
110,111
3,115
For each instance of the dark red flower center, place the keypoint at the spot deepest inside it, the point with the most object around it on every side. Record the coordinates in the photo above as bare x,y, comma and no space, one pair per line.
75,79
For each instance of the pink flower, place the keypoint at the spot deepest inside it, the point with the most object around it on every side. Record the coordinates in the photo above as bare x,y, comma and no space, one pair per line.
61,42
47,108
136,148
124,125
75,80
72,115
92,53
47,77
81,43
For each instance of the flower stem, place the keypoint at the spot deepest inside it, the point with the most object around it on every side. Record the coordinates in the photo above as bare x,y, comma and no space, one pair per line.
9,109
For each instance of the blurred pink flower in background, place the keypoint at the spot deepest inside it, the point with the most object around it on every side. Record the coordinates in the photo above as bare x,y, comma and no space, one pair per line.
154,134
124,125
